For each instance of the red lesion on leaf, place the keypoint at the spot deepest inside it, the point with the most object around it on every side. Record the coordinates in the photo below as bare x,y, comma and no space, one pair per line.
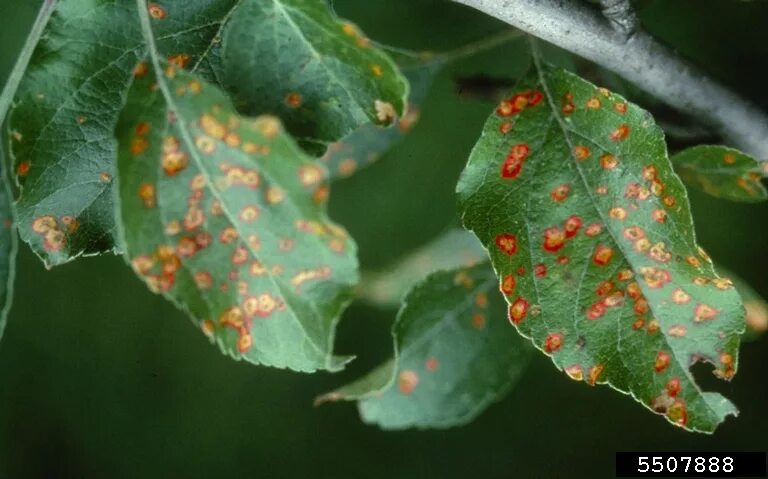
513,164
581,152
597,310
554,239
553,342
593,230
560,193
608,161
602,255
594,374
567,106
572,226
407,381
662,361
575,372
518,310
620,133
540,270
519,102
22,169
673,387
703,312
508,284
156,11
507,243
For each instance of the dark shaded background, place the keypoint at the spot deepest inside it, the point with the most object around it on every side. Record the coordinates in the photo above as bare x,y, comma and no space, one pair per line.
99,378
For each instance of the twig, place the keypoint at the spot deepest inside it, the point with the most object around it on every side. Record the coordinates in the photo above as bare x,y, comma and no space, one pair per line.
621,16
573,25
6,97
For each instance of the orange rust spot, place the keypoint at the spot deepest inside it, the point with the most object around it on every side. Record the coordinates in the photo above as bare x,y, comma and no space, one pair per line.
180,60
518,310
567,107
560,193
659,216
608,161
505,128
208,327
620,107
593,230
156,11
581,152
293,100
478,321
673,387
703,312
572,226
594,103
603,255
596,311
407,381
617,213
553,342
140,70
508,284
540,270
575,372
507,243
554,239
662,361
147,194
376,70
519,102
22,169
620,133
594,374
245,341
513,164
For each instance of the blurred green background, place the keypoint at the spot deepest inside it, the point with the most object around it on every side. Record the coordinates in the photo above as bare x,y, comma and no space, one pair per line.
100,378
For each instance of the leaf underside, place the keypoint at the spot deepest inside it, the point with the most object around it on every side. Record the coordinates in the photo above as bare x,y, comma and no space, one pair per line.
722,172
590,233
69,101
455,355
225,216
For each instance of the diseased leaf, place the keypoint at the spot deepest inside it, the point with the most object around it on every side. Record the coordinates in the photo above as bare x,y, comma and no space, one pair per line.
322,76
453,249
69,101
454,355
590,232
722,172
225,216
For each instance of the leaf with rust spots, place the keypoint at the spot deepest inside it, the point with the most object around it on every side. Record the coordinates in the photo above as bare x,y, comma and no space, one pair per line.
755,306
322,76
68,103
226,217
571,190
454,355
7,244
722,172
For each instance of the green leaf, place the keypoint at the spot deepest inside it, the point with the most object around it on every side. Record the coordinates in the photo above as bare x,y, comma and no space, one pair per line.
323,77
452,249
590,232
722,172
70,98
455,355
225,216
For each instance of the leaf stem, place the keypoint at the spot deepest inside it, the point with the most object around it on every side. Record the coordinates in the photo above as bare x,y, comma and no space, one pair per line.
6,97
639,58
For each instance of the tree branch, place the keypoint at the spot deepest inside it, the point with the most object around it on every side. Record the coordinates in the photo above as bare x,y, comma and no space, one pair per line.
640,59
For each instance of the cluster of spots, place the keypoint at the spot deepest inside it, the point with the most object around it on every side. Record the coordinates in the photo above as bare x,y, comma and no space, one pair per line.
669,402
351,30
54,231
555,237
322,272
240,317
576,372
139,142
513,163
158,268
519,102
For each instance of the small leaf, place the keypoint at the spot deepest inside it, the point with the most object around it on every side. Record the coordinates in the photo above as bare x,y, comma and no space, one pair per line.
590,232
455,354
323,77
722,172
225,216
69,101
453,249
